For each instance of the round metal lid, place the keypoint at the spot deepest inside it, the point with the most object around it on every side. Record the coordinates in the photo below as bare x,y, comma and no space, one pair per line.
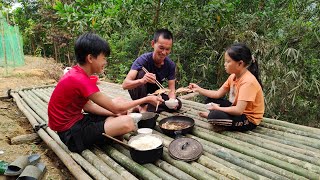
185,149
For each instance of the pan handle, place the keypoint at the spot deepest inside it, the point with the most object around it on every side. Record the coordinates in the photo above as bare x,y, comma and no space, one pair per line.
178,134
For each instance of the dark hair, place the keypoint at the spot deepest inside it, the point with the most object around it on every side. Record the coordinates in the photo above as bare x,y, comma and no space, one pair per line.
240,51
165,33
90,43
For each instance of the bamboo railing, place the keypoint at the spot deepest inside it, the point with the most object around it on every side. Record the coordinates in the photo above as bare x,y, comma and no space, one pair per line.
274,150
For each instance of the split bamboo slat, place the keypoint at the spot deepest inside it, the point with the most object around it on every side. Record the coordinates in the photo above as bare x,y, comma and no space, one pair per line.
274,150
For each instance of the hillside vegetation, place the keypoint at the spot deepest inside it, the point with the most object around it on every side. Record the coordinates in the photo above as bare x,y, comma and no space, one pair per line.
284,36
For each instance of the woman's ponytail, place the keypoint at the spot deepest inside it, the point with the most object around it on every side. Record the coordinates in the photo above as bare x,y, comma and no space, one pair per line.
254,69
240,52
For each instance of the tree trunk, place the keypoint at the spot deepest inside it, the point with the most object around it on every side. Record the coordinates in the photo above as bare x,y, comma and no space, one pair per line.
156,17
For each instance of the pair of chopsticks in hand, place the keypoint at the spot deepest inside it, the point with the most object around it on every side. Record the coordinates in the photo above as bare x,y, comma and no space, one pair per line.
158,84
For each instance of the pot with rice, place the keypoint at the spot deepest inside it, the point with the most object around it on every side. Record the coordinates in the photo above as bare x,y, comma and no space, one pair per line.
147,148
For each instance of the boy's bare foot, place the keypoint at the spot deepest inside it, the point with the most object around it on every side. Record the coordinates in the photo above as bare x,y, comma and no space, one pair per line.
120,138
203,114
134,110
143,109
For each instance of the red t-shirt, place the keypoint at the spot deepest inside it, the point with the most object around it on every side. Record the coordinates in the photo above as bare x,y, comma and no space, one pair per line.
68,99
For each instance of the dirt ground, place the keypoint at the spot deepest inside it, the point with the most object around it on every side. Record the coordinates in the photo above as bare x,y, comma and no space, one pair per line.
35,72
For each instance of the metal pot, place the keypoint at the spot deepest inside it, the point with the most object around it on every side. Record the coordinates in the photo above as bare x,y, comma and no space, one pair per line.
146,156
148,120
181,125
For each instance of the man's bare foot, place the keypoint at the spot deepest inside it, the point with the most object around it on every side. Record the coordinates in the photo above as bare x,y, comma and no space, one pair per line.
203,114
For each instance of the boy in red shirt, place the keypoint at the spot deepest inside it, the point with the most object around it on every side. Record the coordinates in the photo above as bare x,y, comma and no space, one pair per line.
75,93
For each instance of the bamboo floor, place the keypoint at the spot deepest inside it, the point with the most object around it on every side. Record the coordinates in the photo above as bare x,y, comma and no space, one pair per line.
274,150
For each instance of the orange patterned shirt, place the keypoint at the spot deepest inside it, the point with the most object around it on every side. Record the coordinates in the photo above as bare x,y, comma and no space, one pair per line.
247,88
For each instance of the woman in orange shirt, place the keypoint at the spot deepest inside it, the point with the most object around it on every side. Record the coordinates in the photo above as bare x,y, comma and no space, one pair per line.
245,107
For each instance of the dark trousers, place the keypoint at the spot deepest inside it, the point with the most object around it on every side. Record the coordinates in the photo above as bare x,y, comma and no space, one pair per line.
144,90
237,123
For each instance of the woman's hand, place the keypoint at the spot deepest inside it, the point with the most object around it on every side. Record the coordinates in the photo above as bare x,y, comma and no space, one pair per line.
212,106
194,87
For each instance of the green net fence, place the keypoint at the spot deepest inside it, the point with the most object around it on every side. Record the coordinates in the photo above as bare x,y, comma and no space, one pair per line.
11,46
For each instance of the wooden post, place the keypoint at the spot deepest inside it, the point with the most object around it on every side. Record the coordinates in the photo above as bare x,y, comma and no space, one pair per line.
26,138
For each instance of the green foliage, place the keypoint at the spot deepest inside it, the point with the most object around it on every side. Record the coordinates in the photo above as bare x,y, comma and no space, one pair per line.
283,35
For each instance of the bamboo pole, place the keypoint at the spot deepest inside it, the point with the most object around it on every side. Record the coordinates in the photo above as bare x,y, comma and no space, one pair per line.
291,125
293,131
272,133
41,95
277,147
74,168
209,171
251,170
88,167
224,153
35,115
45,91
34,106
47,129
259,155
100,165
93,172
206,128
174,171
159,172
271,153
311,150
36,100
186,167
151,167
113,164
214,165
303,140
36,87
126,162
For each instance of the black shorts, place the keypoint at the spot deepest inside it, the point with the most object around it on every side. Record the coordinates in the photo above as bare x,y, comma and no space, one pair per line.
236,123
84,133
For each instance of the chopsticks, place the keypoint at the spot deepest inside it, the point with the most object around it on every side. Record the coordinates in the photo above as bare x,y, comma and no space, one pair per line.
157,103
157,82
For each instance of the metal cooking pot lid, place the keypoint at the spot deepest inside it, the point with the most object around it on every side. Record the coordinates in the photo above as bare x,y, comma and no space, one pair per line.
185,149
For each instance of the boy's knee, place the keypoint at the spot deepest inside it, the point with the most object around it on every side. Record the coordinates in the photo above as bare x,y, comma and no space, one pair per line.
129,124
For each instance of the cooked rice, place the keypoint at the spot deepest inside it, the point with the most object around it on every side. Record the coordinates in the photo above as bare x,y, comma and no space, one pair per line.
146,143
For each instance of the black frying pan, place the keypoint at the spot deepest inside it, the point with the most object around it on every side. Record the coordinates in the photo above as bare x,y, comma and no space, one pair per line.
184,125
